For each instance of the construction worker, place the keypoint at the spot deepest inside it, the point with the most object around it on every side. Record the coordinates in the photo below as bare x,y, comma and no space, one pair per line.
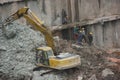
80,37
83,31
76,32
84,35
90,38
64,17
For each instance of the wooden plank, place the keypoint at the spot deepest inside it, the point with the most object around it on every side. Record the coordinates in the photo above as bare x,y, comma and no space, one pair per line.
86,22
10,1
7,1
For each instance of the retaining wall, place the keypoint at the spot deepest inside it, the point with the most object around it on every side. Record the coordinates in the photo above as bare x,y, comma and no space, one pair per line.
50,11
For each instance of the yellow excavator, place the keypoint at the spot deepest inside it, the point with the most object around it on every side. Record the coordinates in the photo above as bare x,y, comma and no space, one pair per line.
45,56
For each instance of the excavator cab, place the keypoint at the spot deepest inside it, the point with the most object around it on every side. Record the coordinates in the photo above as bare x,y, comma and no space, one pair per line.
43,54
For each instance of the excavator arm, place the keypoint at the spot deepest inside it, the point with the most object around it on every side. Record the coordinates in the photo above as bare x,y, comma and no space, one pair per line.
35,21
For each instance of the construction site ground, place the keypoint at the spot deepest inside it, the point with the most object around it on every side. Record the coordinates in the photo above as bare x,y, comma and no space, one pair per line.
18,52
97,64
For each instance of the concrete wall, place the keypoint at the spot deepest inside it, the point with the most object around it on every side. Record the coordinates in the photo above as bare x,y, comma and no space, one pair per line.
35,5
106,35
90,9
50,11
8,1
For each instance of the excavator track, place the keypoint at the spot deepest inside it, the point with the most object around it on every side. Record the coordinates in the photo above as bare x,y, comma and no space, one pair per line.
49,70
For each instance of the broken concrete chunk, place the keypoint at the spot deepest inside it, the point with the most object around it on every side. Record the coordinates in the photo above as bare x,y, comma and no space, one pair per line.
9,31
3,48
10,34
77,47
93,77
107,72
80,77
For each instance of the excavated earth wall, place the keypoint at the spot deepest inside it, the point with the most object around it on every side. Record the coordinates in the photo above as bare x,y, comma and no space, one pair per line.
50,11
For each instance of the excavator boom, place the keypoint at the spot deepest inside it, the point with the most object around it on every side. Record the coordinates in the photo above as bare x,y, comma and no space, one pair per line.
32,19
